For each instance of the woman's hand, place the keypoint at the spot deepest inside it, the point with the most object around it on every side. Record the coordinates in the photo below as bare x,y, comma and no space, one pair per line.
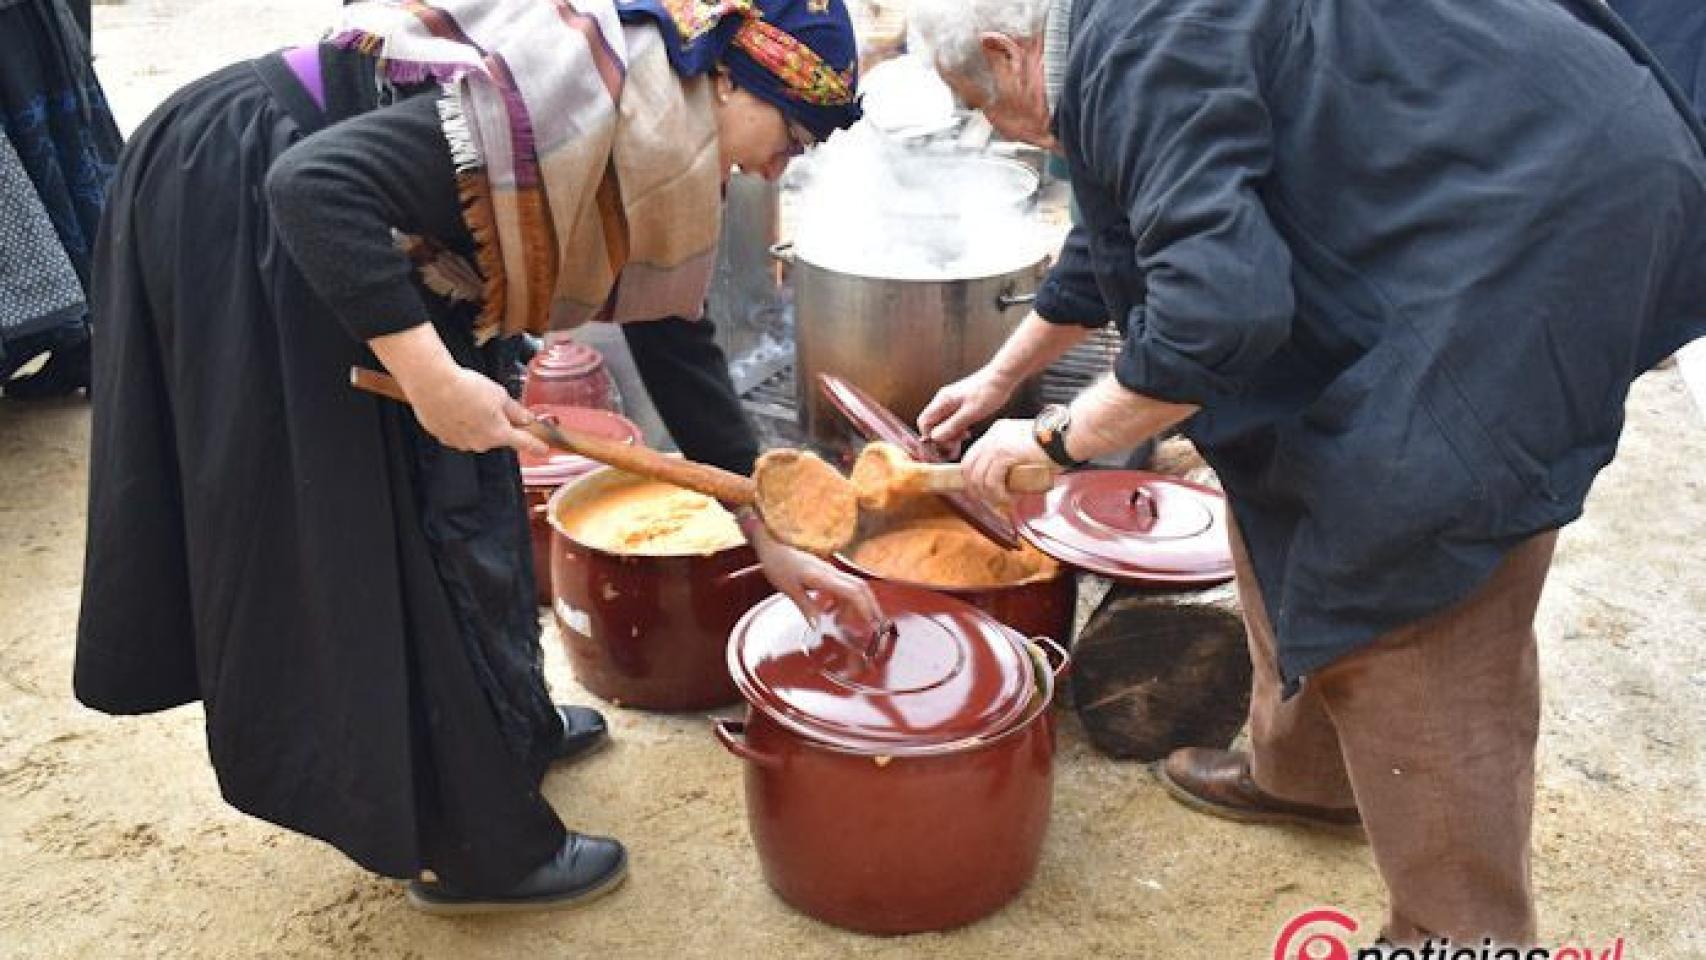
815,585
959,406
469,411
464,410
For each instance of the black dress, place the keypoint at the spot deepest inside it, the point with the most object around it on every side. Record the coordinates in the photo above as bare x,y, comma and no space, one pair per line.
351,600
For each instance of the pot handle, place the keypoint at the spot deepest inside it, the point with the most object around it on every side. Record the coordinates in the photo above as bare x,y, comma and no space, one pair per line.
783,252
1143,503
1007,299
732,735
1057,655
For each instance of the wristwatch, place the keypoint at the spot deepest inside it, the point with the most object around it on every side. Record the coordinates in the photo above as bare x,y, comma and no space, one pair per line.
1050,429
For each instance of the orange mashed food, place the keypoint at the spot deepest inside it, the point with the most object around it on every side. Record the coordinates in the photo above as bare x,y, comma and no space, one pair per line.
654,519
945,551
805,502
875,475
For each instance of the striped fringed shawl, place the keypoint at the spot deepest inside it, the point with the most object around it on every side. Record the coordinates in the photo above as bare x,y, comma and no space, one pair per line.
588,169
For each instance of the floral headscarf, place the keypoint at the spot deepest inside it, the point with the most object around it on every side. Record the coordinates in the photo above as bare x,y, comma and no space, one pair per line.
800,55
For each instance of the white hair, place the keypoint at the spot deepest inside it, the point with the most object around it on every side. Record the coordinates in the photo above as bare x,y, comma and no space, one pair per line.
950,31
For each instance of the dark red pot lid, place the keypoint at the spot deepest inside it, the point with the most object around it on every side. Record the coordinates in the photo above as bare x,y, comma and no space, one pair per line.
565,360
946,673
1138,527
877,422
559,467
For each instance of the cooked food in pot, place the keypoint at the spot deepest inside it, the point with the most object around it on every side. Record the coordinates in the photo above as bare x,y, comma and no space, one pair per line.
935,548
651,518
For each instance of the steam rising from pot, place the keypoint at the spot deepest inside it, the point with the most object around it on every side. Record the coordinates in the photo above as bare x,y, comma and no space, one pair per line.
901,209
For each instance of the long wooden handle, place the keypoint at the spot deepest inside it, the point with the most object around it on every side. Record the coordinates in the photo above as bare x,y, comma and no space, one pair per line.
642,461
951,478
713,482
381,384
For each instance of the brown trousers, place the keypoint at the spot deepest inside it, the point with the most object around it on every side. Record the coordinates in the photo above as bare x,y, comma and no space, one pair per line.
1430,732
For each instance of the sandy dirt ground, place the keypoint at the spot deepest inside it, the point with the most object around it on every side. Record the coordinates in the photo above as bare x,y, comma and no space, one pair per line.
118,844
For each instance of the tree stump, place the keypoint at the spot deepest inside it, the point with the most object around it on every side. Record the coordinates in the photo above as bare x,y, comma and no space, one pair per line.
1155,671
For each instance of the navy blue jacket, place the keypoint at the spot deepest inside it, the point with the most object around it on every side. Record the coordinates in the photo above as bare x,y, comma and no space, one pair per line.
1675,30
1408,255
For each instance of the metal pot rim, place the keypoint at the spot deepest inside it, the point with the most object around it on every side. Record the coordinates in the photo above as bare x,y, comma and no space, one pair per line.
1036,264
1025,178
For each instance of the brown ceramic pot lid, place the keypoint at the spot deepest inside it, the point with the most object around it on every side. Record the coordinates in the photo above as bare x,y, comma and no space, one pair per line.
944,675
565,360
559,467
877,422
1141,528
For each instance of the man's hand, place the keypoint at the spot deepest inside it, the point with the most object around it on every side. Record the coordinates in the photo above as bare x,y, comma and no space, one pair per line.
816,586
958,407
1007,444
961,405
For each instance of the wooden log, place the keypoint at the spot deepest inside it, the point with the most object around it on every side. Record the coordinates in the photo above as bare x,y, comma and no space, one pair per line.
1155,671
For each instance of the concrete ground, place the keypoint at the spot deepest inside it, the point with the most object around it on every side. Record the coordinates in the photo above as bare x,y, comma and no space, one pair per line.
118,844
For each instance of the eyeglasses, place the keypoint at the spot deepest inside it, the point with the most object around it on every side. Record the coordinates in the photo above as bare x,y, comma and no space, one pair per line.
799,139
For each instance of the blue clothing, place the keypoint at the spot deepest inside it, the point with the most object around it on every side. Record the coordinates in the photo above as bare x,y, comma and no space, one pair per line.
61,144
56,116
1675,30
1407,255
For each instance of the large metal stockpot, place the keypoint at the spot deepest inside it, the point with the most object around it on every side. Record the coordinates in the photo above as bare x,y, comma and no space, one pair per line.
902,329
899,339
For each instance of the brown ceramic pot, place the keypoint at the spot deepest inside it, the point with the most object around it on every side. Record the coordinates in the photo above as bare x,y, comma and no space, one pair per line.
1038,608
1130,526
541,476
569,374
898,839
647,631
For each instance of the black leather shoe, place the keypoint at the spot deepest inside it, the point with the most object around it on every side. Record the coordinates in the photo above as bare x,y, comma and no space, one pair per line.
583,731
585,869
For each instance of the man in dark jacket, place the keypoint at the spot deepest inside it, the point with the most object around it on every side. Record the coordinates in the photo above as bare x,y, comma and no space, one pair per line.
1397,262
1675,30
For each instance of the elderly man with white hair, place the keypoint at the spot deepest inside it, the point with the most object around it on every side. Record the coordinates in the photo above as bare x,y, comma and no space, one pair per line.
1393,264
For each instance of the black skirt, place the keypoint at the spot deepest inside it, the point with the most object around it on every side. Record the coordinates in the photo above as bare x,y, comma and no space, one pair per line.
350,600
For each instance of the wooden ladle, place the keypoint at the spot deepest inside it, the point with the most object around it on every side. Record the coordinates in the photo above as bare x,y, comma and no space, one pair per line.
803,501
884,473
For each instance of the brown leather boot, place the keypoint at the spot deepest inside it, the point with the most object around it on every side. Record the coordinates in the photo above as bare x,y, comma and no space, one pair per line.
1218,782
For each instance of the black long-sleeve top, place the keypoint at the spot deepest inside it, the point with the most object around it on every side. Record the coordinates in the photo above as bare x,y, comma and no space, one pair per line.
337,195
